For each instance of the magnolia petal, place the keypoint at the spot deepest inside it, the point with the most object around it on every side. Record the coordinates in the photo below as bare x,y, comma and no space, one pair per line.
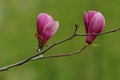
86,21
49,30
87,18
42,20
90,15
94,24
97,23
90,39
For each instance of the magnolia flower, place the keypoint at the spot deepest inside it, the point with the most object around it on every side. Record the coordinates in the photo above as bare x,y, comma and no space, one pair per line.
94,24
46,28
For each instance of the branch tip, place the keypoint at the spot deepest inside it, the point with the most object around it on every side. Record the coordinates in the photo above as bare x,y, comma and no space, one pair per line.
77,25
76,28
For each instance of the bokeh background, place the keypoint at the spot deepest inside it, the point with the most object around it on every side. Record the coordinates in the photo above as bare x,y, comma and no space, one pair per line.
17,41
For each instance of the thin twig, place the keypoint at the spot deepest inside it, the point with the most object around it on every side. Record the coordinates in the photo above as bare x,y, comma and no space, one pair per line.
56,43
75,34
64,40
110,31
63,55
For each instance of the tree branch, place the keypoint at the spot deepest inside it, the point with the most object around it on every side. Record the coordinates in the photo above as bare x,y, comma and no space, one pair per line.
63,55
39,54
107,32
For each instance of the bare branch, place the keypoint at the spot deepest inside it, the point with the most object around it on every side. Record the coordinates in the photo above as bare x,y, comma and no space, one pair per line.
38,55
63,55
107,32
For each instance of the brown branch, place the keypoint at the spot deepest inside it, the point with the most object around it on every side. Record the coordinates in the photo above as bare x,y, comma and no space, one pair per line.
107,32
37,56
63,55
39,53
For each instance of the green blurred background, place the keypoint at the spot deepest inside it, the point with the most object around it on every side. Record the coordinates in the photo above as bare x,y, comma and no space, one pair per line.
17,41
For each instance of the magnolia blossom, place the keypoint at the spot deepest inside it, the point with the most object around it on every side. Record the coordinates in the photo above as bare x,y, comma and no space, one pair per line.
94,24
46,28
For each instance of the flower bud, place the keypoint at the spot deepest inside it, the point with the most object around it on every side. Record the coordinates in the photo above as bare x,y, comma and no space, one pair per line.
46,28
94,24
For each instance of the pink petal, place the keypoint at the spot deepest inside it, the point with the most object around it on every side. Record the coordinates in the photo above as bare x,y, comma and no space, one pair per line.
86,21
97,23
42,20
90,39
90,15
49,30
87,18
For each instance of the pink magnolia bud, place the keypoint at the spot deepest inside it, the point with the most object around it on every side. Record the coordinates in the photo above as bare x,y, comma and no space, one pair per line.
46,28
94,24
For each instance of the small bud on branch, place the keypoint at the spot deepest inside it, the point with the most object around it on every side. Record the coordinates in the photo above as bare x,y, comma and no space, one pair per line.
94,24
46,28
